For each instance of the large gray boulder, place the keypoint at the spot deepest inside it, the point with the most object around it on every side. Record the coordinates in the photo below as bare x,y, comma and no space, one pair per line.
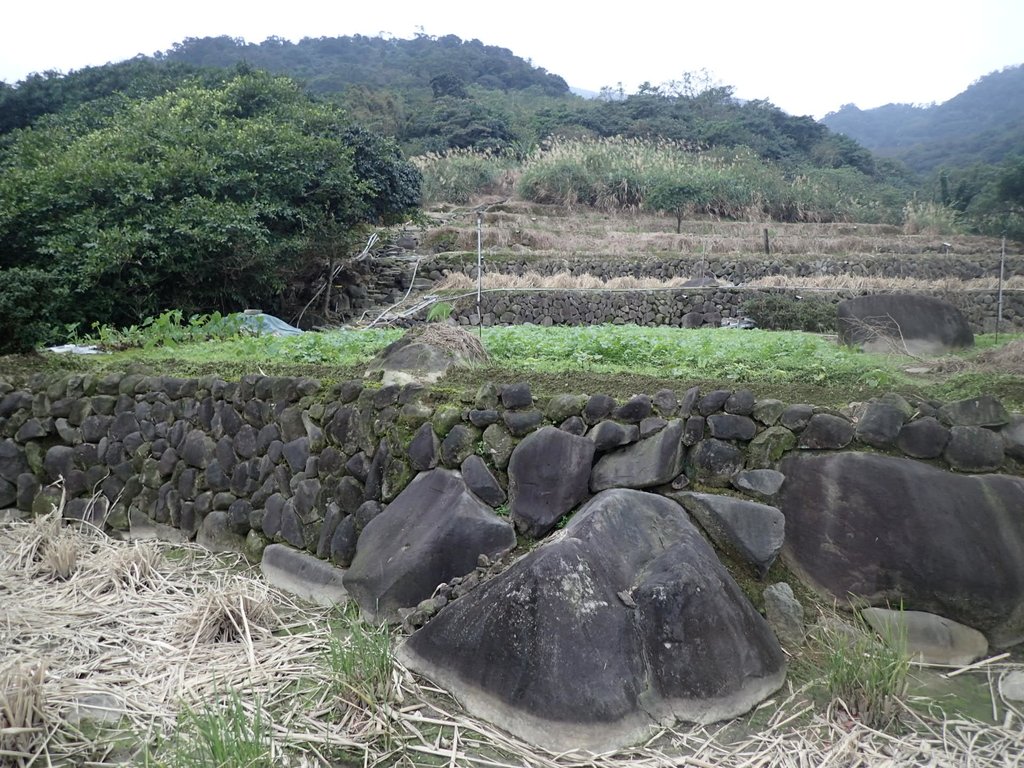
890,529
434,530
547,477
902,322
623,621
652,461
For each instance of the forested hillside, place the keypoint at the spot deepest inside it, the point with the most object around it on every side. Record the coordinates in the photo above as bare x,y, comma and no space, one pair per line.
984,124
222,174
439,93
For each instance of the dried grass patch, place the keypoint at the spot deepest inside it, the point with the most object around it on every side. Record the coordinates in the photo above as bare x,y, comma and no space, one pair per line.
1006,359
451,338
65,643
558,281
133,626
21,708
566,280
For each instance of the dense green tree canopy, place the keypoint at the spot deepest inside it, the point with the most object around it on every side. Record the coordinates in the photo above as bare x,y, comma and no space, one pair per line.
204,198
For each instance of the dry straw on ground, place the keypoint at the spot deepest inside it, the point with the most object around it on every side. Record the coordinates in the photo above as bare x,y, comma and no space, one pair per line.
531,280
450,338
97,665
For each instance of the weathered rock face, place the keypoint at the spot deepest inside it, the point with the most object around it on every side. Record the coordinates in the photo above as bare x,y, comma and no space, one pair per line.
753,531
930,638
891,529
547,477
917,323
647,463
434,530
624,620
301,574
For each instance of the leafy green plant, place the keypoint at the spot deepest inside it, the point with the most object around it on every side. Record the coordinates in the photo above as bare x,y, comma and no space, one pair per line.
169,329
865,673
440,312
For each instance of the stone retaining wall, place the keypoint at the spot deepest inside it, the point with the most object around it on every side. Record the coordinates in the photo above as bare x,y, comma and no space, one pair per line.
691,307
283,459
741,269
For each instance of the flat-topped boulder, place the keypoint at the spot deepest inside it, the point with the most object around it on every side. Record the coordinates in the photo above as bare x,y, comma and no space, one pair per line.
929,638
624,620
902,322
303,575
893,530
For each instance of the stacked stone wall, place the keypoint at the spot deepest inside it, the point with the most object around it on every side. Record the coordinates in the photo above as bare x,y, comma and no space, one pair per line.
693,307
284,459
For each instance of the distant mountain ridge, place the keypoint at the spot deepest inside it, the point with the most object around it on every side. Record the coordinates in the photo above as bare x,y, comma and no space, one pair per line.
984,124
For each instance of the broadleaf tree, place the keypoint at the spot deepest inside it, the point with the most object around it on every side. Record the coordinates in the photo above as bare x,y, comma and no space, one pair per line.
200,199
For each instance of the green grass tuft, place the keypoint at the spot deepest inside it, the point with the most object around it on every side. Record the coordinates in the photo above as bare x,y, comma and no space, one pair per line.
224,735
359,660
865,674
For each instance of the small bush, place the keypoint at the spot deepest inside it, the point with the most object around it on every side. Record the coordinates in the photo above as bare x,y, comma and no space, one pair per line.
783,312
28,298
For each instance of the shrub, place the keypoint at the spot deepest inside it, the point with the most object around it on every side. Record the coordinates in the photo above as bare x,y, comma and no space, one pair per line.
202,199
789,312
27,299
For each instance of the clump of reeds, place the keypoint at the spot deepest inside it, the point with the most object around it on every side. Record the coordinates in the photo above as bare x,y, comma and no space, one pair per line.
60,555
458,175
133,567
621,174
22,711
928,218
228,612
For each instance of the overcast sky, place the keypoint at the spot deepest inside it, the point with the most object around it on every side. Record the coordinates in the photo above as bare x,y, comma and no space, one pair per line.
806,56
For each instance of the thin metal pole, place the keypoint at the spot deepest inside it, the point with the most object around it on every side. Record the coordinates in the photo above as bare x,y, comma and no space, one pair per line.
479,270
1002,271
